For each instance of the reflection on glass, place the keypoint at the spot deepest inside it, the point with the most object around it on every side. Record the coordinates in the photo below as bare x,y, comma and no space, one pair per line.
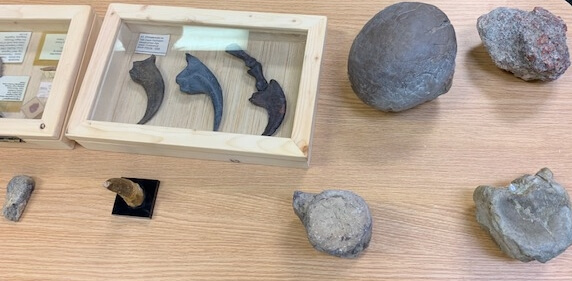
30,53
121,99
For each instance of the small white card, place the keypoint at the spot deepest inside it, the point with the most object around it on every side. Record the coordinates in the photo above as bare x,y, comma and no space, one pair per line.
13,46
53,46
44,91
152,44
13,88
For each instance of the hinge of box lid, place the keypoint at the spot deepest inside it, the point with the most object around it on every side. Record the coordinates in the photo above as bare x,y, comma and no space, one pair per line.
10,139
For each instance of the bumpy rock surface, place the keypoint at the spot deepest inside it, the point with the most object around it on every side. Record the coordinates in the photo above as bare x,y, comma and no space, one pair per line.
18,193
531,219
337,222
531,45
404,56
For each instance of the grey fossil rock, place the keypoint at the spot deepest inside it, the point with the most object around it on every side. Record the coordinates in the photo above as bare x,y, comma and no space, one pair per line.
531,45
18,193
531,219
404,56
337,222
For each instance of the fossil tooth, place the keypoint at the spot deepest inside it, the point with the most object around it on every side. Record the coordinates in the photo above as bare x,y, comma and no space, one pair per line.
147,74
18,194
130,191
197,78
270,96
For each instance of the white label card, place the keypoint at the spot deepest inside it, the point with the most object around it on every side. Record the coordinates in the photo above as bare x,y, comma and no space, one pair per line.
152,44
44,91
53,47
13,46
13,88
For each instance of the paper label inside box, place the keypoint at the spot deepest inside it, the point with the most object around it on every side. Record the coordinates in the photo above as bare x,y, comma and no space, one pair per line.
13,46
53,46
153,44
13,88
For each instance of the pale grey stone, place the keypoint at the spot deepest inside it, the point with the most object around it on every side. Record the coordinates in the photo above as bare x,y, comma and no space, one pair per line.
337,222
531,45
531,219
18,193
404,56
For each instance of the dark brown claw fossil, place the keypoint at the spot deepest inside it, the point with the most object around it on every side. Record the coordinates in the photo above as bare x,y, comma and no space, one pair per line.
147,74
270,96
197,78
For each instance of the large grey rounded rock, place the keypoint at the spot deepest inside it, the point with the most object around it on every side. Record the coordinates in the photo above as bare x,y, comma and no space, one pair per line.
404,56
531,219
337,222
531,45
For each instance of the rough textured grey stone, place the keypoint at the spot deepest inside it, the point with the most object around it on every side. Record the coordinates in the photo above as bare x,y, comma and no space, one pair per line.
531,219
337,222
404,56
18,193
531,45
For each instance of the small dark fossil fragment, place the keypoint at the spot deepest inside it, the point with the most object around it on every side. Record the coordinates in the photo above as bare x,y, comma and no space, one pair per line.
197,78
531,219
147,74
130,191
18,193
337,222
270,96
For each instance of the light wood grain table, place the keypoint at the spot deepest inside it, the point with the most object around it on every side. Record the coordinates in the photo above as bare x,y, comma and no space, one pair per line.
224,221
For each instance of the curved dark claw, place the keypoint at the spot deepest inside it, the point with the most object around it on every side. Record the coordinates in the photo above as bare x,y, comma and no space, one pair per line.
146,74
197,78
274,101
269,96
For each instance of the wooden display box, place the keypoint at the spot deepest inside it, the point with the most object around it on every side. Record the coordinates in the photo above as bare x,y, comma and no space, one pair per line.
110,103
45,49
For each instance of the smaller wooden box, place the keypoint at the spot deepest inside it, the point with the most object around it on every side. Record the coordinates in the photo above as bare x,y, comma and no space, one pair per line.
110,103
45,50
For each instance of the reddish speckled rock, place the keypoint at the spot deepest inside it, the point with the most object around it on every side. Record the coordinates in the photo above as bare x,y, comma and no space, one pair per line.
531,45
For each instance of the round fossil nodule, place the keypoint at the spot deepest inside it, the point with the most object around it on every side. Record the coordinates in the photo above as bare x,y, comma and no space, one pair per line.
531,219
403,57
337,222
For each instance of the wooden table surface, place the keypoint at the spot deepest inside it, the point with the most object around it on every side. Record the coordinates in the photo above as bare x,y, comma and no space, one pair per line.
225,221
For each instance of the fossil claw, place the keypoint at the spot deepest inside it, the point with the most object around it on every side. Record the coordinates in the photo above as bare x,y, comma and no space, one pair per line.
196,78
273,100
147,74
270,96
